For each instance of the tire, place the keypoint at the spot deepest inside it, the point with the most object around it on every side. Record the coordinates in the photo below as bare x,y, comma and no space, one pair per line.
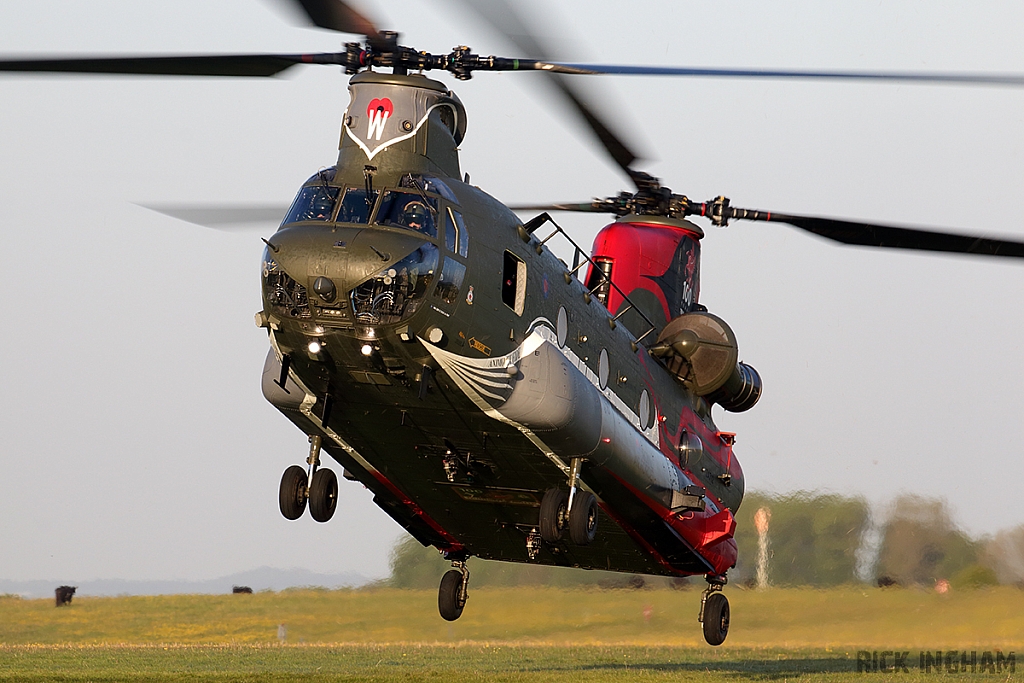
553,514
716,619
583,518
449,603
323,495
292,496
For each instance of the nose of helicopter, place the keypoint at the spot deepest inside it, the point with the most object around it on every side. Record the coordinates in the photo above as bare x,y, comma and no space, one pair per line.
330,262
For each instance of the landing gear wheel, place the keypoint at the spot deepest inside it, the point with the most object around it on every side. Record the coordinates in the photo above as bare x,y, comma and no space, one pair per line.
292,496
716,619
450,597
323,495
554,514
583,518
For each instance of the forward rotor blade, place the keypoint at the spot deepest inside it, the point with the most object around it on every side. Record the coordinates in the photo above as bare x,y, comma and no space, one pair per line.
176,65
501,15
898,76
336,15
892,237
583,207
223,216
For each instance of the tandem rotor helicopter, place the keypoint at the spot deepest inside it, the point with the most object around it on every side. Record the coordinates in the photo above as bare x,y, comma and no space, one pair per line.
497,401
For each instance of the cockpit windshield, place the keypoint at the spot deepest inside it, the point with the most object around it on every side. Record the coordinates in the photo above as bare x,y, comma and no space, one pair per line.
357,205
397,291
412,210
314,203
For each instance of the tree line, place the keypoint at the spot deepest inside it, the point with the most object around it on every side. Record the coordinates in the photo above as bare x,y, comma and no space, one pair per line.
814,539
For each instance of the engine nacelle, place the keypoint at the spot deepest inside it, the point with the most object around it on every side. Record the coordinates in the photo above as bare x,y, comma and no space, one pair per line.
700,350
741,391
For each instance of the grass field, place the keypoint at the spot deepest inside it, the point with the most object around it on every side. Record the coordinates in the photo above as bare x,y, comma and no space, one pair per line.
525,634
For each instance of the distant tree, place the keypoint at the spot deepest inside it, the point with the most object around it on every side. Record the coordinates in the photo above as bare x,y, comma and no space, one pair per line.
921,543
1004,555
813,538
413,566
974,576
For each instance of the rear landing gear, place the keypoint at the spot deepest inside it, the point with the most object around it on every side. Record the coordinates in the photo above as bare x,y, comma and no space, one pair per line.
578,511
317,486
583,518
554,515
453,593
714,611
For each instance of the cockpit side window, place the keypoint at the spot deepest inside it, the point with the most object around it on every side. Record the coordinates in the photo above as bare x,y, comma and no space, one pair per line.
313,203
438,186
410,210
460,229
450,236
450,282
428,183
356,205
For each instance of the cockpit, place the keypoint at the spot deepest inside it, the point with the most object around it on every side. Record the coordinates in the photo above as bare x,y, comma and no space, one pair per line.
413,205
421,204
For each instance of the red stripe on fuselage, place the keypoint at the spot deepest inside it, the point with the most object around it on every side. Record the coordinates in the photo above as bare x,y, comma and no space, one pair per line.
718,561
453,543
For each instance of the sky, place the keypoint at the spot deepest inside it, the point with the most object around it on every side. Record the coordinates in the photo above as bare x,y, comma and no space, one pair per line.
134,440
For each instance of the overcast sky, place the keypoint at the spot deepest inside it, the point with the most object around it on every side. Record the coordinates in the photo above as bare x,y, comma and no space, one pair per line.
135,440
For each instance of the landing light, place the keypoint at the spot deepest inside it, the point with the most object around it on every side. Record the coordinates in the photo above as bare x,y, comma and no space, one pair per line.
314,347
366,350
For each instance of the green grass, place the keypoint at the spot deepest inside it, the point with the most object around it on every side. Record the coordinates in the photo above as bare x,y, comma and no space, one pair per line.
525,634
435,663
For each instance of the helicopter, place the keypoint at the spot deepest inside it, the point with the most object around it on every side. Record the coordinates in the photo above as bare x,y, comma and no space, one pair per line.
406,372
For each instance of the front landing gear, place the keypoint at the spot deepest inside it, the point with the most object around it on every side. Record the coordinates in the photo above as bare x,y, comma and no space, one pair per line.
714,611
454,591
294,492
317,486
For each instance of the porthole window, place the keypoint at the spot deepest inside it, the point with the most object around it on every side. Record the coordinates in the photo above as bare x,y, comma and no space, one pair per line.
691,449
603,368
645,410
562,327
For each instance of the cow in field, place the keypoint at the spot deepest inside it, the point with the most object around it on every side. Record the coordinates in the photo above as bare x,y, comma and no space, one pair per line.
64,594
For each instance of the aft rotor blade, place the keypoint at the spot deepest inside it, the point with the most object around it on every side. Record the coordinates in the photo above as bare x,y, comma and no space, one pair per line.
872,234
897,76
222,216
176,65
501,15
892,237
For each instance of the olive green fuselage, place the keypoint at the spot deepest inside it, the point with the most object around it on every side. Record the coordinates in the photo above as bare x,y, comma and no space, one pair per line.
371,310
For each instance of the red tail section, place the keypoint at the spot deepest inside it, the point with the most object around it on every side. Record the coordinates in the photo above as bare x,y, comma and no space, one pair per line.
655,261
